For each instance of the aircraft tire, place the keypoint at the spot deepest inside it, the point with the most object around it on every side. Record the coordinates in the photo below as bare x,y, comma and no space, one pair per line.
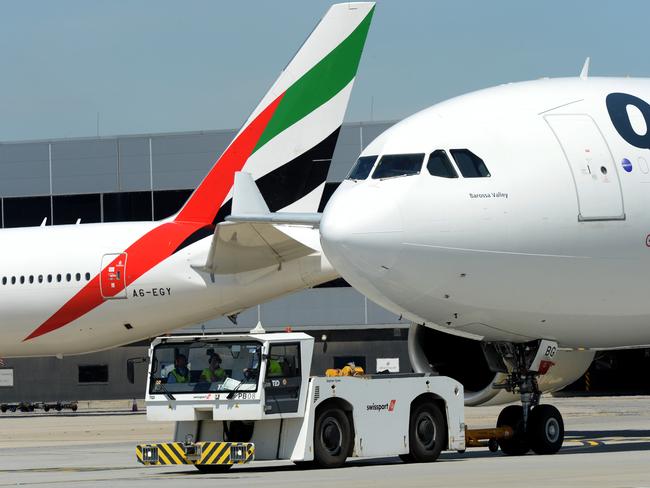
545,429
513,416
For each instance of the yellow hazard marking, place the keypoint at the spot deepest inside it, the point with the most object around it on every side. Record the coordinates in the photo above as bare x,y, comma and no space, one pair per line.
173,453
226,455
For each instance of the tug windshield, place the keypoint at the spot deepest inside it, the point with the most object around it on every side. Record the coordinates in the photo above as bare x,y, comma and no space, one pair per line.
205,367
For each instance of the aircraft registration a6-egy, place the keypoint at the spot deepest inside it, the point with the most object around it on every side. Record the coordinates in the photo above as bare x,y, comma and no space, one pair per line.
79,288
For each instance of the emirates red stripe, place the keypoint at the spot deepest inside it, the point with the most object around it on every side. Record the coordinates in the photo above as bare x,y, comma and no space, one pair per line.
151,249
159,243
207,199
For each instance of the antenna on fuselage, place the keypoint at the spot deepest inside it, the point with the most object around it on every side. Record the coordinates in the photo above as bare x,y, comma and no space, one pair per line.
584,74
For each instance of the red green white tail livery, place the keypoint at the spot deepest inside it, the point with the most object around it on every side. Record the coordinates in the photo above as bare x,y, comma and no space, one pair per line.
81,288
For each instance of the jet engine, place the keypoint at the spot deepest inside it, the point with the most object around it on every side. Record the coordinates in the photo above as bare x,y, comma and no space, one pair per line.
463,359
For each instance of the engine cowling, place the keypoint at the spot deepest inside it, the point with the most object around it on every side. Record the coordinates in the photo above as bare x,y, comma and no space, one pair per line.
462,359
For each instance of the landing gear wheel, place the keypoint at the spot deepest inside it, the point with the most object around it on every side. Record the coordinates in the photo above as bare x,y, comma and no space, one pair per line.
332,438
213,468
427,433
513,416
545,429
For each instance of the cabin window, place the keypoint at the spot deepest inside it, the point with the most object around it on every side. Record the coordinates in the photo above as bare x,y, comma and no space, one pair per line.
68,277
439,165
78,276
362,168
469,164
4,280
393,165
31,279
22,280
13,280
40,278
49,278
58,278
87,276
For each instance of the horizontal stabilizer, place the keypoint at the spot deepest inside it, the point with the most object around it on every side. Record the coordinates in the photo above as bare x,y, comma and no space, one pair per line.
241,247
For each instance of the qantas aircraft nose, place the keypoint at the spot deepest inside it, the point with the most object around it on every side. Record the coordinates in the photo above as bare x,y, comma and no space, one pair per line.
361,231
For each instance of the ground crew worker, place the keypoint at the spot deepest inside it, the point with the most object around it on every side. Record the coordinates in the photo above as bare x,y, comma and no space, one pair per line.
180,373
275,368
214,372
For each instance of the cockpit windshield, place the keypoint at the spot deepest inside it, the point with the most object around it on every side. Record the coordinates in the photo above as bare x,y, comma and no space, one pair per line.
469,164
392,165
202,367
362,168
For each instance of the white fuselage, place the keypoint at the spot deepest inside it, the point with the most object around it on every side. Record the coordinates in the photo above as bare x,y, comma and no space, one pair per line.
553,244
172,294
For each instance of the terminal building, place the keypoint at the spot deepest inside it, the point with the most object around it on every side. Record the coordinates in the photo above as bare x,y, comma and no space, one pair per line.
149,177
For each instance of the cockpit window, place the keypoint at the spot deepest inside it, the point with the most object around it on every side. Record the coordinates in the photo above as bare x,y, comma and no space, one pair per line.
391,165
362,168
439,165
469,164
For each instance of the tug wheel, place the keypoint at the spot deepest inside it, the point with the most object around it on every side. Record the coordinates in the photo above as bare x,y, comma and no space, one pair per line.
332,438
427,433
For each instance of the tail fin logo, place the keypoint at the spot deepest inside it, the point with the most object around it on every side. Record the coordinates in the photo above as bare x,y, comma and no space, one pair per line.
301,114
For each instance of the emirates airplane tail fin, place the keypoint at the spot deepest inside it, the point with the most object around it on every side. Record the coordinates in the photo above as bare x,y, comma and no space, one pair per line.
288,141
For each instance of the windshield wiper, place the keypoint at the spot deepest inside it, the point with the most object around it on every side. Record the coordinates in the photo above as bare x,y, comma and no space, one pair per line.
160,385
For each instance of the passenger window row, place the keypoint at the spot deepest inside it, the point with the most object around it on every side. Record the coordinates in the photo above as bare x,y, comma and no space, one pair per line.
439,164
50,278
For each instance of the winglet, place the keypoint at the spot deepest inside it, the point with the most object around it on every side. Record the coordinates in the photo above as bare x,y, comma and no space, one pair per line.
584,74
247,198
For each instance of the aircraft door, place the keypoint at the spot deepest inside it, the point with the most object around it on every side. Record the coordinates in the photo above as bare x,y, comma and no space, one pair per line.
592,165
112,277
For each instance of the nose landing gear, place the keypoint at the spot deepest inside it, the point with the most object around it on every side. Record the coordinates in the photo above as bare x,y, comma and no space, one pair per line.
537,427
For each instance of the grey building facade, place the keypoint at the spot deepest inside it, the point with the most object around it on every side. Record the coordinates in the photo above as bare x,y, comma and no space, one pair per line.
148,177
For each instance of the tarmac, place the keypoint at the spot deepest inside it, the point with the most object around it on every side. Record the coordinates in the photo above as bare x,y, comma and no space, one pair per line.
607,444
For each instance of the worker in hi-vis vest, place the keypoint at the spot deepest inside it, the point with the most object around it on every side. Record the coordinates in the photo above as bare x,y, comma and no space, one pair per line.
275,368
180,373
214,371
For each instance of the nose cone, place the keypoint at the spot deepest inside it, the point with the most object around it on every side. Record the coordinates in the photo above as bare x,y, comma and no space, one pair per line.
361,231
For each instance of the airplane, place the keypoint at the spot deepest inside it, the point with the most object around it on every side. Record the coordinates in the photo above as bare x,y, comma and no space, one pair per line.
510,227
73,289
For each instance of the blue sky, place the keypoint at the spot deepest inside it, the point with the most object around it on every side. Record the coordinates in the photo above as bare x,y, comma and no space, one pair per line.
162,65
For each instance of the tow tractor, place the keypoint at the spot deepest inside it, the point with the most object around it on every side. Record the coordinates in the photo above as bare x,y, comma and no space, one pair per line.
236,398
